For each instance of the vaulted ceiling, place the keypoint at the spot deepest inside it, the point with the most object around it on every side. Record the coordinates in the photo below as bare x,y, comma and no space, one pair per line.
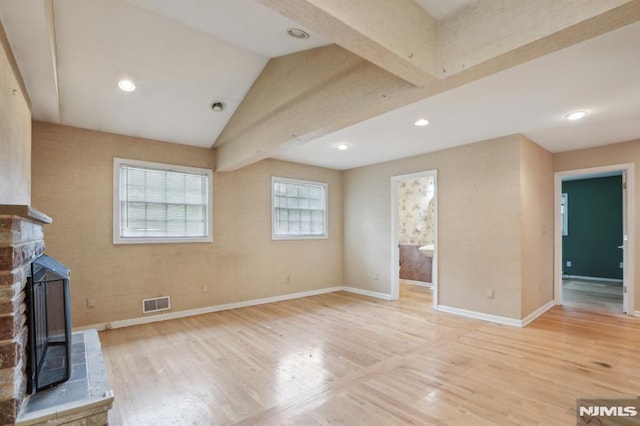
475,69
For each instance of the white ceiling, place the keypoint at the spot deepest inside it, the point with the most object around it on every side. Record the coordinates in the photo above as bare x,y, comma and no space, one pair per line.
442,8
183,55
600,76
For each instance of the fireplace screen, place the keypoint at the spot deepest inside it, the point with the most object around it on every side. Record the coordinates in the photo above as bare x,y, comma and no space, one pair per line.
49,324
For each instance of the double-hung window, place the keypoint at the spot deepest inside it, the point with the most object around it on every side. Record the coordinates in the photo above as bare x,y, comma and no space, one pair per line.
299,209
161,203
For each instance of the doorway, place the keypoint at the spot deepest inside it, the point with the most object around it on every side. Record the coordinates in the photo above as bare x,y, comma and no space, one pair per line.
594,238
414,233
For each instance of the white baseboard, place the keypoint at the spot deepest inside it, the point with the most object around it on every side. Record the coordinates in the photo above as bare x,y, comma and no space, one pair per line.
205,310
480,315
535,314
418,283
636,313
580,277
246,303
370,293
498,319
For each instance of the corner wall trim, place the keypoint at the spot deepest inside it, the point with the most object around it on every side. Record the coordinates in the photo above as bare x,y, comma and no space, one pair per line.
369,293
481,316
535,314
206,310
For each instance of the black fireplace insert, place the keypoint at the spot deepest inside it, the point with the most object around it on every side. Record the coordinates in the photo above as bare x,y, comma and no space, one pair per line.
49,324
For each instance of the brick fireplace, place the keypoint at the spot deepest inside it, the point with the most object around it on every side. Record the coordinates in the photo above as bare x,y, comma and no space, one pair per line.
21,242
86,397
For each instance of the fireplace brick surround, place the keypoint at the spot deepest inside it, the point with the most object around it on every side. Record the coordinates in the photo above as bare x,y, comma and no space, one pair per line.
83,400
21,242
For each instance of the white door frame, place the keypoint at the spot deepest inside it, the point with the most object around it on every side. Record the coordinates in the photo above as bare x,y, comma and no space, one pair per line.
395,238
629,225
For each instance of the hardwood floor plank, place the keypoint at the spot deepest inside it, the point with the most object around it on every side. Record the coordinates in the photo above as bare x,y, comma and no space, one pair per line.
349,359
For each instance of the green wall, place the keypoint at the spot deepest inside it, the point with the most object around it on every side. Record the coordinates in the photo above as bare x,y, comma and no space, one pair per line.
595,228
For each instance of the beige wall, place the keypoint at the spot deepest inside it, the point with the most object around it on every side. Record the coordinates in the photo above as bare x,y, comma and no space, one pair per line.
536,188
72,182
621,153
15,132
480,224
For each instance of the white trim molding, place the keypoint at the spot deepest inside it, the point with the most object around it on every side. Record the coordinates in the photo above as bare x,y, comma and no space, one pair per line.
580,277
535,314
235,305
496,318
205,310
416,283
369,293
480,315
630,216
394,287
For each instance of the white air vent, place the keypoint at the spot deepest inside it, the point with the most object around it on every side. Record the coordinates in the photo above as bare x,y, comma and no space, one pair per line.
156,304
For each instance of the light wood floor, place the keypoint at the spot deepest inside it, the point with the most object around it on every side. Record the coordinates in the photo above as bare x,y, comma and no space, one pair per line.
347,359
597,295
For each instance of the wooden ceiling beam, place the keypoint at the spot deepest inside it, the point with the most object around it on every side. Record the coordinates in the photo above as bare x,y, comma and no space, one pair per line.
303,96
397,35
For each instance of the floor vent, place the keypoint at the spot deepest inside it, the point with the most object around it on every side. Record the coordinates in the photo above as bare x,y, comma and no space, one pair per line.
156,304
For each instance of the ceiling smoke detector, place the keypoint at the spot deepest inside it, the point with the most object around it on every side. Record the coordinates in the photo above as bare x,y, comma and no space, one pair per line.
298,33
218,106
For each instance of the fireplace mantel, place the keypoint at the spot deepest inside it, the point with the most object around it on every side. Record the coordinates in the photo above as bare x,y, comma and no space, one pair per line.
26,212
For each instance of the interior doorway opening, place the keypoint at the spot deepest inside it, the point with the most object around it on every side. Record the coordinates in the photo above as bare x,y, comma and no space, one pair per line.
414,233
594,238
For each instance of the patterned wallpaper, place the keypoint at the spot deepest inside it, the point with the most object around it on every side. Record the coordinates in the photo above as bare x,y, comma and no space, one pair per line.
416,211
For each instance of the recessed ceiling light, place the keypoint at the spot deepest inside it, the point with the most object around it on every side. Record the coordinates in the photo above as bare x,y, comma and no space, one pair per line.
576,115
218,106
298,33
342,146
422,122
126,85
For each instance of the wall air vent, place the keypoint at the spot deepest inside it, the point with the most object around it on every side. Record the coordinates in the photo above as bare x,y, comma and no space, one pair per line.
156,304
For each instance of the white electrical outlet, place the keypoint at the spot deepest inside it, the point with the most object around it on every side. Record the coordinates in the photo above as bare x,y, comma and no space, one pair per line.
568,264
621,265
91,302
491,293
205,288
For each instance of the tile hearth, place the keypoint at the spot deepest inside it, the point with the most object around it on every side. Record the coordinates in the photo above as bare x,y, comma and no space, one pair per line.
86,395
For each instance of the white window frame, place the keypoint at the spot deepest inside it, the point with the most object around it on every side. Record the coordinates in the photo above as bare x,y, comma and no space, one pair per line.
119,239
274,233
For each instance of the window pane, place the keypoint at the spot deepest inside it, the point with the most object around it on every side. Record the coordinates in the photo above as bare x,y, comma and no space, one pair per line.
292,202
281,189
156,203
292,190
175,188
298,208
